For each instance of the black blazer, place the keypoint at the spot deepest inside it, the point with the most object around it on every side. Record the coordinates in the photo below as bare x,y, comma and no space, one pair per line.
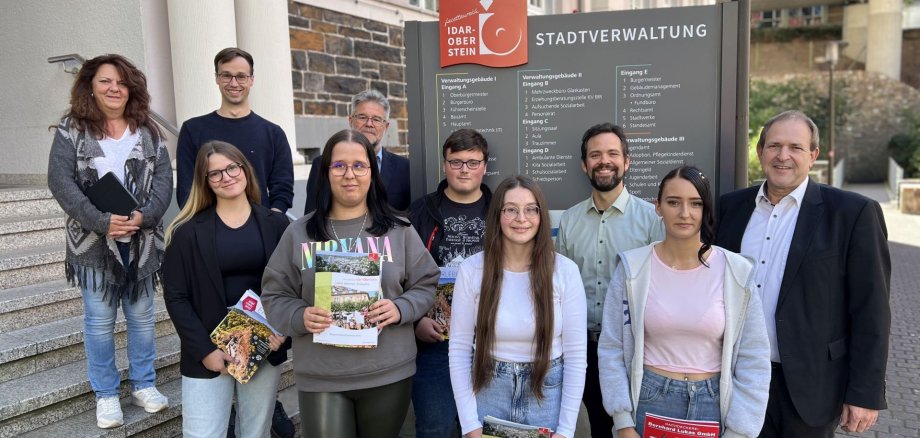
194,290
395,175
832,315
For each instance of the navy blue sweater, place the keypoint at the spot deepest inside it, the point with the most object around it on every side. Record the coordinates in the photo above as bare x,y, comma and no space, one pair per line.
263,143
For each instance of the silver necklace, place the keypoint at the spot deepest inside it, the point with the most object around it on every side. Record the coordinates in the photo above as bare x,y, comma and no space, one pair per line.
354,242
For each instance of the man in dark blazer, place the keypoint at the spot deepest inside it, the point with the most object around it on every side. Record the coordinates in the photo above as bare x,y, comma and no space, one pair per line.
823,270
371,114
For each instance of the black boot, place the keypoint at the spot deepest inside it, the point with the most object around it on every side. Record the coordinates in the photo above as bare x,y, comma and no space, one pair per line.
282,426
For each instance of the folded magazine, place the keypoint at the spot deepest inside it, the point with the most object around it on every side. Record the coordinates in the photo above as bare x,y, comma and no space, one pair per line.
444,296
657,426
244,334
347,284
498,428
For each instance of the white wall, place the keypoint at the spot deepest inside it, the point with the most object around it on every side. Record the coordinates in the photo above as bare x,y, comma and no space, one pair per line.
36,94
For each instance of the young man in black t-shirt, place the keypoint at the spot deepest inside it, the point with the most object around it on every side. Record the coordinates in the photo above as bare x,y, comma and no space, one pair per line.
451,223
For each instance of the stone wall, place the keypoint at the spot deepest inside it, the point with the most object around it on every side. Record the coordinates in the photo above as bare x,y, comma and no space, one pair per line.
877,105
798,56
335,56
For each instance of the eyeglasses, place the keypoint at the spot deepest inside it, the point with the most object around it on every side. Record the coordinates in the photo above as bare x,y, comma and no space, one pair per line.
363,118
232,170
530,212
470,164
339,168
241,79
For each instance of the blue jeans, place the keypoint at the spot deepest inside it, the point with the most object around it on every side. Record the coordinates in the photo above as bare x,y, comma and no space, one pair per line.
435,410
509,397
206,404
679,399
99,336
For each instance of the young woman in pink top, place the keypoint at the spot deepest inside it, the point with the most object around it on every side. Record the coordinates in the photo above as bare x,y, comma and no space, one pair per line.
683,333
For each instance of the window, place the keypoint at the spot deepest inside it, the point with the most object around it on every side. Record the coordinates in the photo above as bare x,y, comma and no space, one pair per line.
431,5
764,19
536,3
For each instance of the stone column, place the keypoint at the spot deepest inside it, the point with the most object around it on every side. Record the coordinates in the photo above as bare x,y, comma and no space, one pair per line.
883,54
262,30
855,30
197,31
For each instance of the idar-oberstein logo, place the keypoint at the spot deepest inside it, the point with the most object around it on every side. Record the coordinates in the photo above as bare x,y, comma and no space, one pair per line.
486,32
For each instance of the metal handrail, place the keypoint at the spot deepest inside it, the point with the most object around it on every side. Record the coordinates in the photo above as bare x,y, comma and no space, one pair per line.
72,63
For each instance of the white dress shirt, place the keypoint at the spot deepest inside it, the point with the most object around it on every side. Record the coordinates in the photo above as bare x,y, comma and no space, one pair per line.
766,240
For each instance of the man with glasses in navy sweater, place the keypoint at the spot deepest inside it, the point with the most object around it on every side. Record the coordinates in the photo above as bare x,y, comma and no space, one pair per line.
264,143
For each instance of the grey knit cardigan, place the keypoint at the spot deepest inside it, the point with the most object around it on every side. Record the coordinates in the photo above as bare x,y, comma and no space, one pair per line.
92,257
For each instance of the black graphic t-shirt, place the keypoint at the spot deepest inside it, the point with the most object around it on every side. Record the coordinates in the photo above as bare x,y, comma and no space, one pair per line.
464,229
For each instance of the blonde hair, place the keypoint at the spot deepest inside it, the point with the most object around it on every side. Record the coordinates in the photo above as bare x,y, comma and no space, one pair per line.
200,195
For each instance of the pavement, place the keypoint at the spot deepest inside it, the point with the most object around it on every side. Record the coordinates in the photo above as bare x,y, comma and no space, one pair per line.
902,418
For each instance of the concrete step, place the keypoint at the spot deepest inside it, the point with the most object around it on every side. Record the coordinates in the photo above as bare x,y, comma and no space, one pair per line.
40,399
26,306
24,232
18,202
42,347
33,265
166,423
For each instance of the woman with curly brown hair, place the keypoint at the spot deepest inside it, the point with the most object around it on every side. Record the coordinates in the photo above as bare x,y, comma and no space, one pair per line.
114,259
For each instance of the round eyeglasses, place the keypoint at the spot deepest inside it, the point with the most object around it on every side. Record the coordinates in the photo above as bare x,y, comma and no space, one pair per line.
530,212
359,169
232,170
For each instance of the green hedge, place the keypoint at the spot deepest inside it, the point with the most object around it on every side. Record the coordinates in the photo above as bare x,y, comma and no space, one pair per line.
786,34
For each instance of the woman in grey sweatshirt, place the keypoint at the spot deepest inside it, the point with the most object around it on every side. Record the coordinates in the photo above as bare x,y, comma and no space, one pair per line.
347,392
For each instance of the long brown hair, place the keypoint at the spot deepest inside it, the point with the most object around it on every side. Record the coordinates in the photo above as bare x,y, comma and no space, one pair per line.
201,196
85,113
542,265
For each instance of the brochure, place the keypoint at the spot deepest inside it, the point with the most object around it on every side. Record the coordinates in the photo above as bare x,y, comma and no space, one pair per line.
347,284
444,296
498,428
244,334
657,426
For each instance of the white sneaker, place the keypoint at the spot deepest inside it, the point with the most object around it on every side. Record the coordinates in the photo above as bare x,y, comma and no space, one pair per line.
108,413
150,399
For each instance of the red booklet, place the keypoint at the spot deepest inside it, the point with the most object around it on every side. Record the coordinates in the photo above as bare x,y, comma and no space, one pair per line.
657,426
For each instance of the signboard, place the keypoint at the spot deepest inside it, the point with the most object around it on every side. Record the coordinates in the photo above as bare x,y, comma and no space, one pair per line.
667,76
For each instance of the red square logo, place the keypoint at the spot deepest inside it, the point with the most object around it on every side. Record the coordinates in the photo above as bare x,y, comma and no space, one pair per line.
485,32
250,304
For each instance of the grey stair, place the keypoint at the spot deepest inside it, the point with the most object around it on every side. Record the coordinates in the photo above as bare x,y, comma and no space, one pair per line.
18,202
38,264
28,231
166,423
26,306
45,346
46,397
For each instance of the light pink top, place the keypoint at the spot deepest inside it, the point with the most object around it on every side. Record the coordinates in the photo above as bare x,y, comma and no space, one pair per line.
685,317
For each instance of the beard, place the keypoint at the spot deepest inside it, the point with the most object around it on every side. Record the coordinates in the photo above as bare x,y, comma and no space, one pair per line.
605,186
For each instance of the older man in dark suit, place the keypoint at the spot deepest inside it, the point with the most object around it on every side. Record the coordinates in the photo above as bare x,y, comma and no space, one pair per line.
823,271
370,114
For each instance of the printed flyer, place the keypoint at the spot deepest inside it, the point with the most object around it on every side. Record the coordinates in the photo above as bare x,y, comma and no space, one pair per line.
347,284
657,426
444,296
244,334
498,428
